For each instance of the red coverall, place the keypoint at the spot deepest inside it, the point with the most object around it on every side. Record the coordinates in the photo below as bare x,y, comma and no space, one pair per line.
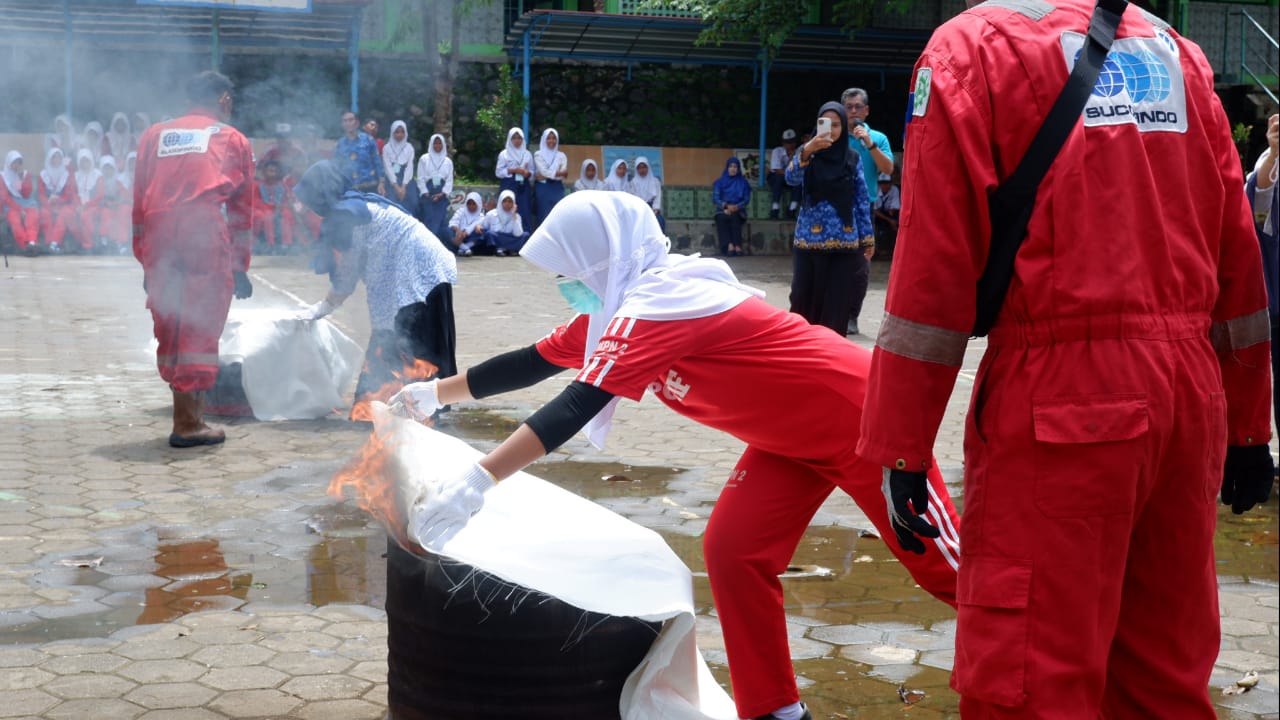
1101,412
23,221
188,169
265,211
793,392
58,210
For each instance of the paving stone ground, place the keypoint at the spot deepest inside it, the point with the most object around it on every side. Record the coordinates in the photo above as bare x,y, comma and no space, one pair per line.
141,581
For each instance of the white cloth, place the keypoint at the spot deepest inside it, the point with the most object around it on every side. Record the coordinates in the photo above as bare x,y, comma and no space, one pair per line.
398,154
91,139
583,183
290,369
513,157
618,183
549,161
436,164
779,159
54,175
613,244
538,536
13,180
890,200
647,187
86,180
119,142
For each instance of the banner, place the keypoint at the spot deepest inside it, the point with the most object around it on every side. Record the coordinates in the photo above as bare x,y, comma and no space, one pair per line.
269,5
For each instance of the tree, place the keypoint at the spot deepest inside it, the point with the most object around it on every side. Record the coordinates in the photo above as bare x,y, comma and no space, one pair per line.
440,49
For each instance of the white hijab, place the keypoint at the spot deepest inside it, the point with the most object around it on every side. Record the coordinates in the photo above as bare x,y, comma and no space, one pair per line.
507,217
398,152
65,139
518,156
613,244
585,183
438,162
646,187
86,181
111,189
613,182
93,146
13,180
54,175
466,219
119,142
546,154
126,174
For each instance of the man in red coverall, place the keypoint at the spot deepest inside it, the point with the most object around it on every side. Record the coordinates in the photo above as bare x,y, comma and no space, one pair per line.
1128,366
194,257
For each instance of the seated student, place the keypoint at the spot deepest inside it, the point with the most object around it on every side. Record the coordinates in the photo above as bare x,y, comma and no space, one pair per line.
119,140
57,200
467,225
503,228
272,211
731,194
646,186
18,203
617,180
884,211
92,139
589,177
779,159
115,211
84,225
63,137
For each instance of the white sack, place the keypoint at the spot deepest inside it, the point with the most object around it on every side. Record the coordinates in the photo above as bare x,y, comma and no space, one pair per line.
541,537
291,369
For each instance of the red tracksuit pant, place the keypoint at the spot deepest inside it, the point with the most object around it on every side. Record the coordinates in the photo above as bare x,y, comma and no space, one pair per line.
53,223
752,535
25,223
1093,464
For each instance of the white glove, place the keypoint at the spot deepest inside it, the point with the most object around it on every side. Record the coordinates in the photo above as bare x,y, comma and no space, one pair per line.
418,401
433,521
317,311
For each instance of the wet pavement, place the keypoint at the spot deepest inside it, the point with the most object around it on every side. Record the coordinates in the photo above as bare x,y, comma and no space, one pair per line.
141,581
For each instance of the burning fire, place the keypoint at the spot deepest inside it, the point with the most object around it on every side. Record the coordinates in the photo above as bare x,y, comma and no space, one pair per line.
371,474
414,371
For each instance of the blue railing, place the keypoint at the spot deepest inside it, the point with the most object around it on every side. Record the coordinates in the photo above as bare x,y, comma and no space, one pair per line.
1258,51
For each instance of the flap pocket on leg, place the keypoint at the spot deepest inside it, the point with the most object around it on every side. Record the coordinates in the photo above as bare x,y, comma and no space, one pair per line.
993,630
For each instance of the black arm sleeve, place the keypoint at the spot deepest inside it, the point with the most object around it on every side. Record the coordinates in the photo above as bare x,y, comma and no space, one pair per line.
509,371
558,420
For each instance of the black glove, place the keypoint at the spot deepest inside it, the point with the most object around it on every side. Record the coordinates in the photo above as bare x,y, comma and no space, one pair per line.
244,288
1247,476
907,495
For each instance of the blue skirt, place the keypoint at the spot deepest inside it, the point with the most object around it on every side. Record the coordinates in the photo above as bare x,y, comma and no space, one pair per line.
546,193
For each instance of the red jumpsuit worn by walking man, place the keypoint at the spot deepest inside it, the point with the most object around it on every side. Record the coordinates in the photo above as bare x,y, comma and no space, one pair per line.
188,170
1102,410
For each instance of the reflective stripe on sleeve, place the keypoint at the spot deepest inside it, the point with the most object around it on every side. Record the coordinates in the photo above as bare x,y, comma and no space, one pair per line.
918,341
1241,332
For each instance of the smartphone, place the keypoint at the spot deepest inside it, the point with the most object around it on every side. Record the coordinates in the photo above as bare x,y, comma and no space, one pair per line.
824,126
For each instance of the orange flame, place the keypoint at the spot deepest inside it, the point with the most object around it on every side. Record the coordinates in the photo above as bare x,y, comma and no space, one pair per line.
419,369
370,476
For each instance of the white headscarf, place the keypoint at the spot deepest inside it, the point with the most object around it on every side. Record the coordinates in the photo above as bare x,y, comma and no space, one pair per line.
613,182
13,180
549,156
65,139
646,187
398,152
518,156
584,183
438,163
126,173
613,244
94,147
464,218
113,188
54,175
86,181
119,142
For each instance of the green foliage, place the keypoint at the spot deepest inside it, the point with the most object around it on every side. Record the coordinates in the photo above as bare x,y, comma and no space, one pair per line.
506,107
1240,132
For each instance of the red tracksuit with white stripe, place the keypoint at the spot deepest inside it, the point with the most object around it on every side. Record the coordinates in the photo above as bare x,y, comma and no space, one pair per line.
1131,350
793,393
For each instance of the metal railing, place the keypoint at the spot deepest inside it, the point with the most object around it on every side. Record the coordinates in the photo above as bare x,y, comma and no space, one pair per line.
1258,52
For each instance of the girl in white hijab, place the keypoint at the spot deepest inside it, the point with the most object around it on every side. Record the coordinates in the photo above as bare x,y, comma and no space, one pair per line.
115,210
589,176
435,185
119,137
646,186
397,165
712,350
85,226
57,199
63,137
23,209
617,180
553,168
503,226
467,224
92,140
515,173
130,167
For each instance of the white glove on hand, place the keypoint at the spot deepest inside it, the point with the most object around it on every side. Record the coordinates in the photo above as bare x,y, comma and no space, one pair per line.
317,311
418,401
435,520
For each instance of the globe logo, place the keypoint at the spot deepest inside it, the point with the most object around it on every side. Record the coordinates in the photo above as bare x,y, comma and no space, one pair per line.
1141,74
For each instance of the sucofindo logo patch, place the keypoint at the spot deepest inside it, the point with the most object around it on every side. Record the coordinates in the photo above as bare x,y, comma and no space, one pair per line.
178,141
1140,84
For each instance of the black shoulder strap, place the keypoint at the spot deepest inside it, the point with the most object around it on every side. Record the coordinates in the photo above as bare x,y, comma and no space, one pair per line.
1011,204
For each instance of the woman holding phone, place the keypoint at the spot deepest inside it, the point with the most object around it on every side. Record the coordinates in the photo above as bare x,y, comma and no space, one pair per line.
834,223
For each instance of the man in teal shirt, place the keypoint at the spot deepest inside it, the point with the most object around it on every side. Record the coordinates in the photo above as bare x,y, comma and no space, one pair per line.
877,157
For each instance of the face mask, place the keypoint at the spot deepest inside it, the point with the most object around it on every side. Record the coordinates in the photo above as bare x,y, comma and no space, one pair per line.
580,297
